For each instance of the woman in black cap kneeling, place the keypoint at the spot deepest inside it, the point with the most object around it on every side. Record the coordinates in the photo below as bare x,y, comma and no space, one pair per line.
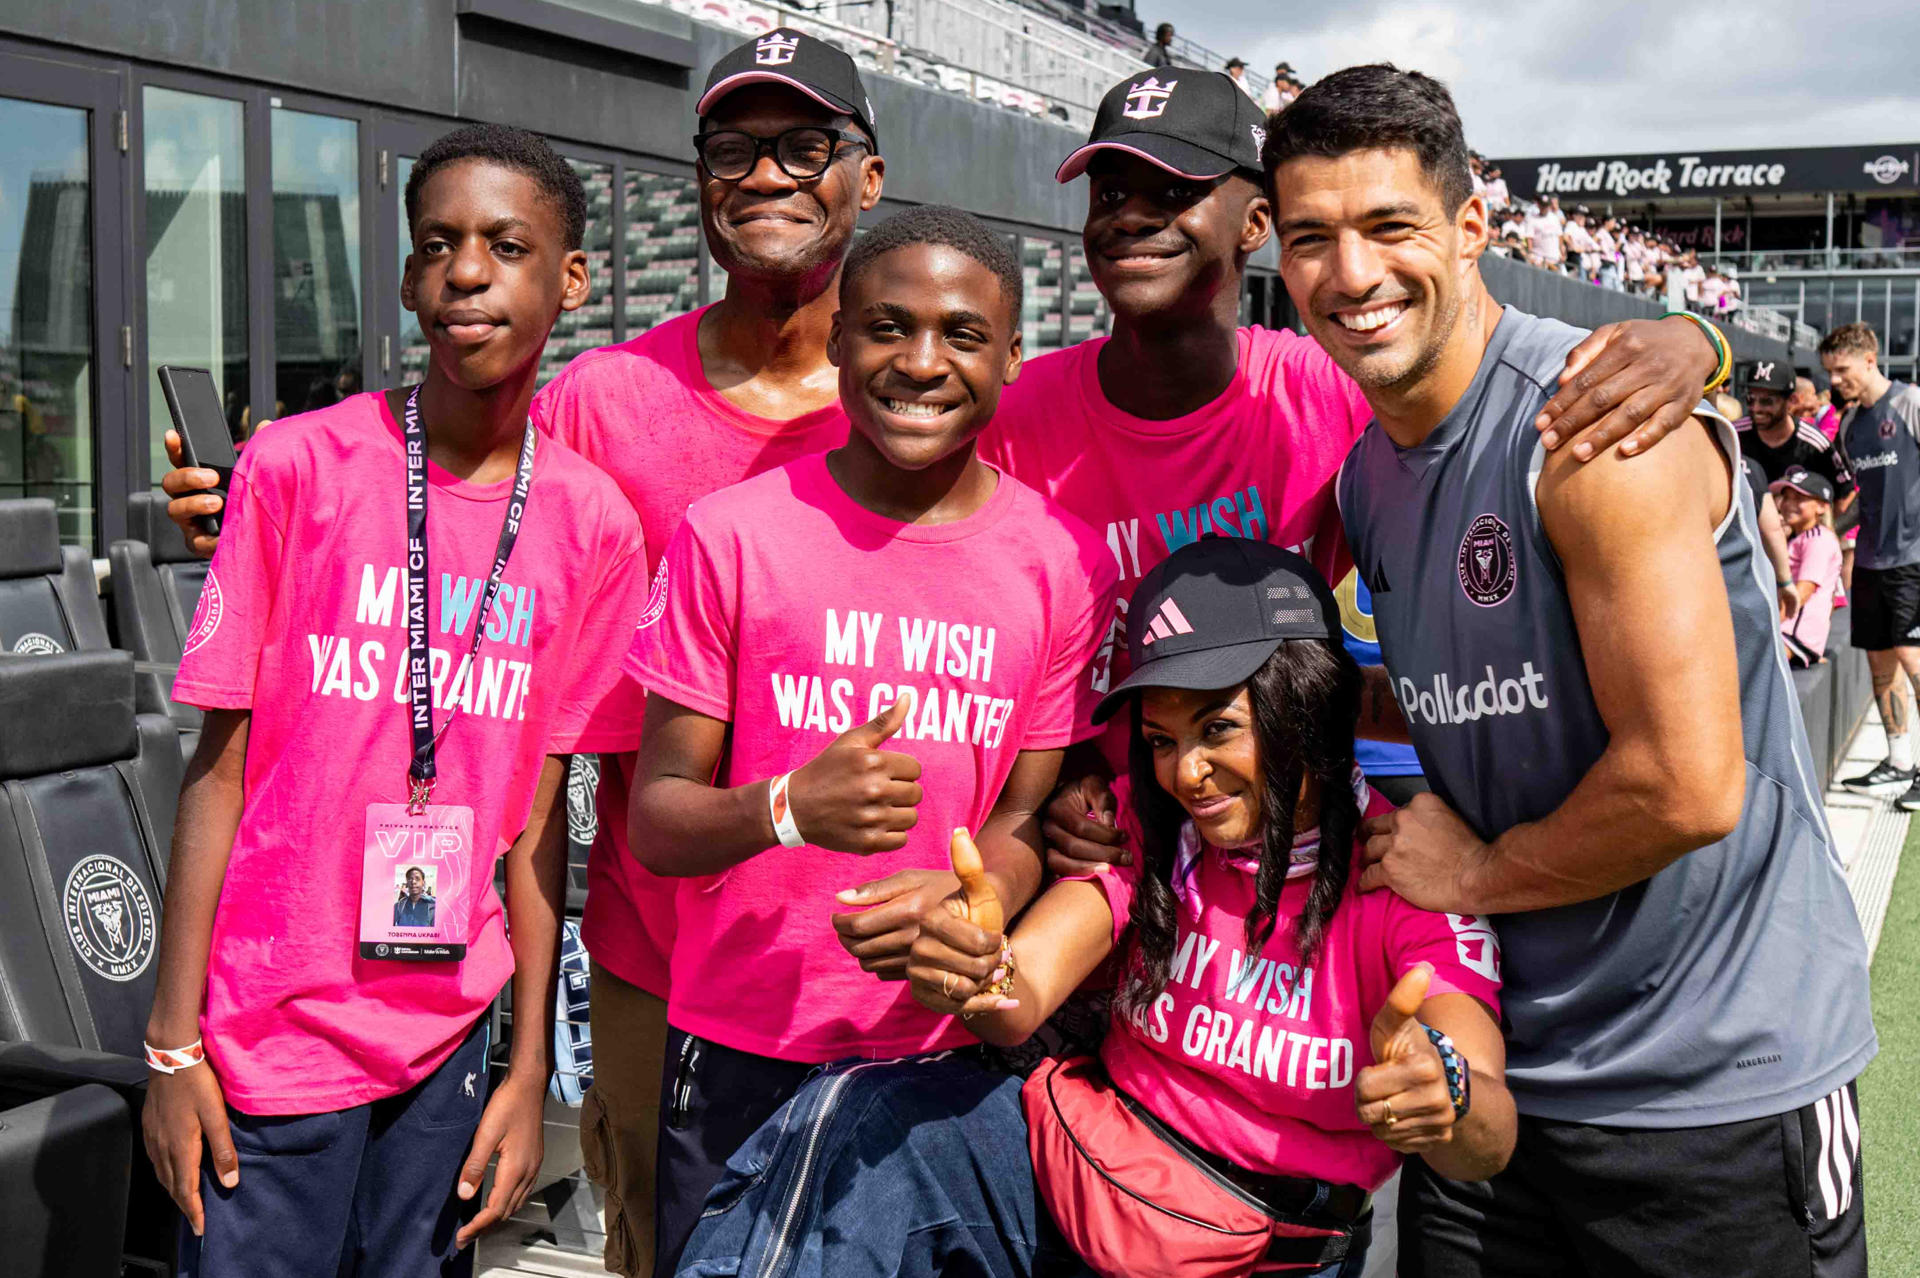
1280,1040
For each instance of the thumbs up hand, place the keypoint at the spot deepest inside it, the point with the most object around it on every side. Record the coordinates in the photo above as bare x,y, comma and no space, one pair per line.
855,797
1403,1095
956,957
976,901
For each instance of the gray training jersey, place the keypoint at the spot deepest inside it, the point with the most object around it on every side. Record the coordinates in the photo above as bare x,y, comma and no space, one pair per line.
1731,985
1884,445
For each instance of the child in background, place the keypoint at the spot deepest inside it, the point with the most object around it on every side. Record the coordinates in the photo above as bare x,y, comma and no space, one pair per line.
413,615
1813,552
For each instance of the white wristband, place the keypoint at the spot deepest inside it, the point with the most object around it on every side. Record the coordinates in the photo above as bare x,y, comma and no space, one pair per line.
172,1060
782,812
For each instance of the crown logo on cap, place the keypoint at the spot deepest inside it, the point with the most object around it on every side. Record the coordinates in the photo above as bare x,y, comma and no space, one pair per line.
775,50
1147,99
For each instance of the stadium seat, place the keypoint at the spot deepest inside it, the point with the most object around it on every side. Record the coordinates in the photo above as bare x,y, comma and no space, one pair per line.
65,1164
48,603
88,792
156,588
87,798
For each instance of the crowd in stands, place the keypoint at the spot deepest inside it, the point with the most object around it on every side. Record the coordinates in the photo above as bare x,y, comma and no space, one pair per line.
1604,250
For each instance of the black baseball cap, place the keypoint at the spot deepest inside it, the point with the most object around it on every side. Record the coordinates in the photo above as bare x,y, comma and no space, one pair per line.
1236,62
1198,124
1212,612
799,61
1770,374
1802,480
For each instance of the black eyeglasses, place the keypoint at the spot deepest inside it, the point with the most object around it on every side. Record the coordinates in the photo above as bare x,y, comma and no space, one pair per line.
802,153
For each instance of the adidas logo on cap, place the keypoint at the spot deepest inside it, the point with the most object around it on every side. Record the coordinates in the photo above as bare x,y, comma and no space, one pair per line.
1166,623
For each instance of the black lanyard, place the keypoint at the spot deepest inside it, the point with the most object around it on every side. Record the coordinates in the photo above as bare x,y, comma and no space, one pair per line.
420,771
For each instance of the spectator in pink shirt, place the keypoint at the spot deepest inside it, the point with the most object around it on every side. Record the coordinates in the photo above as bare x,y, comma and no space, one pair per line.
1813,555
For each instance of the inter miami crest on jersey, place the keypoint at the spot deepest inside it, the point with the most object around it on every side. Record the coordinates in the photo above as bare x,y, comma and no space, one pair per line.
1486,561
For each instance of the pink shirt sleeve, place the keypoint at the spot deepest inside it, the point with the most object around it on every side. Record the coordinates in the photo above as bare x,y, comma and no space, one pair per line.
1082,628
603,707
1815,559
1463,949
222,651
685,647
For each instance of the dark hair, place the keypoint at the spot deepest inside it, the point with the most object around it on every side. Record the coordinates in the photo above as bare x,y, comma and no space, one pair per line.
948,227
1376,107
511,148
1305,699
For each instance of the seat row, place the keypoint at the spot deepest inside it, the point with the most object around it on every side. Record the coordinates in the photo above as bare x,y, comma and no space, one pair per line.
92,751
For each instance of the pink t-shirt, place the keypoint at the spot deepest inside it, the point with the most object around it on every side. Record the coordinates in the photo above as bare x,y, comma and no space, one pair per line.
794,614
302,621
1256,1059
1814,555
644,413
1259,461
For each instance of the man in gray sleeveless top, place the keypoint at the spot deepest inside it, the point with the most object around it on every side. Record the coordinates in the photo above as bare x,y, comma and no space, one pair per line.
1881,433
1588,661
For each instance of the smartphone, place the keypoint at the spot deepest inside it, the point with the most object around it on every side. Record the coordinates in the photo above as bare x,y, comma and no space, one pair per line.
194,402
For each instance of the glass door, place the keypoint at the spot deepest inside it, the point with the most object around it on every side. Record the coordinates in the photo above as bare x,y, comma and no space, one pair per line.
63,350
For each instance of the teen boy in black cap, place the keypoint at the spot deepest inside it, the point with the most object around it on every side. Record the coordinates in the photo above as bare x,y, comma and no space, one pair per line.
1182,423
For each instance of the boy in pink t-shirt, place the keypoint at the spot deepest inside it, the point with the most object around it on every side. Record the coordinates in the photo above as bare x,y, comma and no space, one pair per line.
854,653
417,607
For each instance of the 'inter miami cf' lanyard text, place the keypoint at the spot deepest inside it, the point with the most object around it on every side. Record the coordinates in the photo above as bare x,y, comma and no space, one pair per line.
420,771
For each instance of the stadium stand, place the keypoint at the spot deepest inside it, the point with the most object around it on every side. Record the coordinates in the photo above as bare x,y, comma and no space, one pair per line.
64,1170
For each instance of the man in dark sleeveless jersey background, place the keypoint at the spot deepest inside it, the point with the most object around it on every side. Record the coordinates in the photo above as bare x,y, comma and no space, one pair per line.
1586,658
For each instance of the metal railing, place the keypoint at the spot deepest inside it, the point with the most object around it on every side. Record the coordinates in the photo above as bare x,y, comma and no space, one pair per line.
1773,261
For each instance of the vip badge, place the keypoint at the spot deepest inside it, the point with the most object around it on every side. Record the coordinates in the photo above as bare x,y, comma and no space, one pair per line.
1486,561
1147,99
109,917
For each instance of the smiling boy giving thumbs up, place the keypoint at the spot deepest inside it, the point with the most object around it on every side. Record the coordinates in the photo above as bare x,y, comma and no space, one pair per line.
855,653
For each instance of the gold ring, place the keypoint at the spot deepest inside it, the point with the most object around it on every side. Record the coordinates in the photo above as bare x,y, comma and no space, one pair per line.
946,985
1391,1117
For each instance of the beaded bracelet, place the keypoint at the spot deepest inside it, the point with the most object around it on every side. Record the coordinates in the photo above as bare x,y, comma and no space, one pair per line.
1459,1077
1004,986
1723,370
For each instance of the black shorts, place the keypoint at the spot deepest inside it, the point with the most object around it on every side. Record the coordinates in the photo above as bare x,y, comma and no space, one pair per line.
1886,607
1769,1198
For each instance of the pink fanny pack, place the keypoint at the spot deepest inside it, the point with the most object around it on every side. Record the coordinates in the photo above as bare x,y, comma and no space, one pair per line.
1137,1200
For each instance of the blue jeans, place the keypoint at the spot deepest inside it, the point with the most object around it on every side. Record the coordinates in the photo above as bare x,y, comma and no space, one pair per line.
895,1170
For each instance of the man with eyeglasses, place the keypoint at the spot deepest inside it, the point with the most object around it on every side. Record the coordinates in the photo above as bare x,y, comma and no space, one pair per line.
787,163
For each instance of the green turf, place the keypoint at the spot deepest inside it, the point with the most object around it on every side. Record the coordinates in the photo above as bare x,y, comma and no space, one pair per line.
1889,1114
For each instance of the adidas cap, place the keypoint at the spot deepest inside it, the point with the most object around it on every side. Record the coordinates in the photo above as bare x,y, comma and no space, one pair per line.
1199,124
799,61
1212,612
